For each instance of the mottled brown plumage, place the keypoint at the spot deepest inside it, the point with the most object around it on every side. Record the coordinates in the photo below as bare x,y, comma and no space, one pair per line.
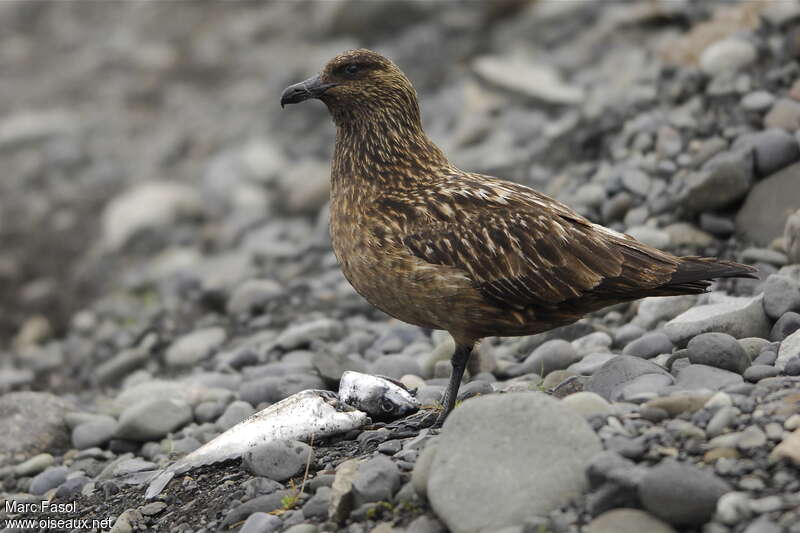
474,255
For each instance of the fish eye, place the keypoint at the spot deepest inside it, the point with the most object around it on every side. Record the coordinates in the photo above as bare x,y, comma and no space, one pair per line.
351,68
387,406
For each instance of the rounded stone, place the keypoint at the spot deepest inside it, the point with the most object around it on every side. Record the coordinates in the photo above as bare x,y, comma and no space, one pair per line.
50,478
95,432
34,465
377,479
538,465
718,350
587,404
194,347
556,354
259,522
781,294
151,420
727,55
787,324
758,372
681,494
611,378
278,460
649,345
628,521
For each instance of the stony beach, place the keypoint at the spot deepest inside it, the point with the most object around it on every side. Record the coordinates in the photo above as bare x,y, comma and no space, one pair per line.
166,268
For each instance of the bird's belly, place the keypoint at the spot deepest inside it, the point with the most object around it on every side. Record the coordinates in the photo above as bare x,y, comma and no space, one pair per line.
404,287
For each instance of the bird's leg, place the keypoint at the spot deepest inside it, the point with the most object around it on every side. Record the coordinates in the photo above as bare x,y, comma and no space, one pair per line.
459,362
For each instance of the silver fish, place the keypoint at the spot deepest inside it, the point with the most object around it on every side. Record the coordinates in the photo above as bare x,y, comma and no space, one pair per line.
298,417
381,398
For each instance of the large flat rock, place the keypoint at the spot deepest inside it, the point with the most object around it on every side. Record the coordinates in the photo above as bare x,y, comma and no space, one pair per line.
739,317
769,203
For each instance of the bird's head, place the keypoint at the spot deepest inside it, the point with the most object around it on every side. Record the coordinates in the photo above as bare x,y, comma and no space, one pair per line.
357,83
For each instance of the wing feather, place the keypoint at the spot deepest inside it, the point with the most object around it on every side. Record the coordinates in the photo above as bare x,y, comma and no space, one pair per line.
521,248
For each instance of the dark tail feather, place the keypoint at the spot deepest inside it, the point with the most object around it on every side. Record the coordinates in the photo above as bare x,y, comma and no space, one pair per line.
694,274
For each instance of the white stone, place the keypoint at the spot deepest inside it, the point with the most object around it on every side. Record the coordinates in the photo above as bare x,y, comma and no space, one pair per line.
790,347
739,317
147,206
537,80
727,55
587,404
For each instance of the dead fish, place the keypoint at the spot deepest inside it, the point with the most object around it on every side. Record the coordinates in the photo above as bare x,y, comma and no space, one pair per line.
298,417
380,397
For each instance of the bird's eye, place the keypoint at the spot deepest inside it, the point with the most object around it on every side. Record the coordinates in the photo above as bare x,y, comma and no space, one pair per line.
352,68
387,406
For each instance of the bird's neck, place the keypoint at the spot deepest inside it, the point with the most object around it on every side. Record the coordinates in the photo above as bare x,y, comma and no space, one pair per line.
383,151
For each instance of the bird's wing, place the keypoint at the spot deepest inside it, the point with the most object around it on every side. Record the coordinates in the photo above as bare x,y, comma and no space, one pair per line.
522,248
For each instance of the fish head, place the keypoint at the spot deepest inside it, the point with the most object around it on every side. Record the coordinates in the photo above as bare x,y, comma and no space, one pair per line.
380,398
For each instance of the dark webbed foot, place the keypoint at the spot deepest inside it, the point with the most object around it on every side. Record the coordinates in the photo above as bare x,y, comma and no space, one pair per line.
459,362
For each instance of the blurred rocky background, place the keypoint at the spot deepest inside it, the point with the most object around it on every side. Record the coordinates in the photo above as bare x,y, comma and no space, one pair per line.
162,220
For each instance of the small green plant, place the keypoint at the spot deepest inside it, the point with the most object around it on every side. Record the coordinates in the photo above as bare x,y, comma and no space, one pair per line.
289,501
380,509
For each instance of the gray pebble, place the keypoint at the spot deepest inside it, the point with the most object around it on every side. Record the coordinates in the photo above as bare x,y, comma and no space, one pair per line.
627,333
706,377
773,149
48,479
194,347
208,411
609,380
757,101
792,367
233,414
768,504
781,294
94,433
303,528
787,324
377,480
317,506
261,523
763,525
636,181
647,385
396,366
718,350
752,437
556,354
426,524
758,372
681,494
766,357
153,419
124,467
298,335
717,225
721,419
590,364
649,345
252,295
430,394
727,55
273,389
34,465
71,488
279,459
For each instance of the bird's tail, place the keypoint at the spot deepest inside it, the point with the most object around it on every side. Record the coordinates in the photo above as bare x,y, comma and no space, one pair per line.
694,274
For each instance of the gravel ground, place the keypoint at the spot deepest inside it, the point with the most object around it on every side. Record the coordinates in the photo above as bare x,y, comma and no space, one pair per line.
166,269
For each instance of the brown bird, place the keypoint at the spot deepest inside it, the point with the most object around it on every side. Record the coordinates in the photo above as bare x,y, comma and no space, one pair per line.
477,256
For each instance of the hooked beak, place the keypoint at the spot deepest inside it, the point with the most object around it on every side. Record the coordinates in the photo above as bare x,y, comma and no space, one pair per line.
311,88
